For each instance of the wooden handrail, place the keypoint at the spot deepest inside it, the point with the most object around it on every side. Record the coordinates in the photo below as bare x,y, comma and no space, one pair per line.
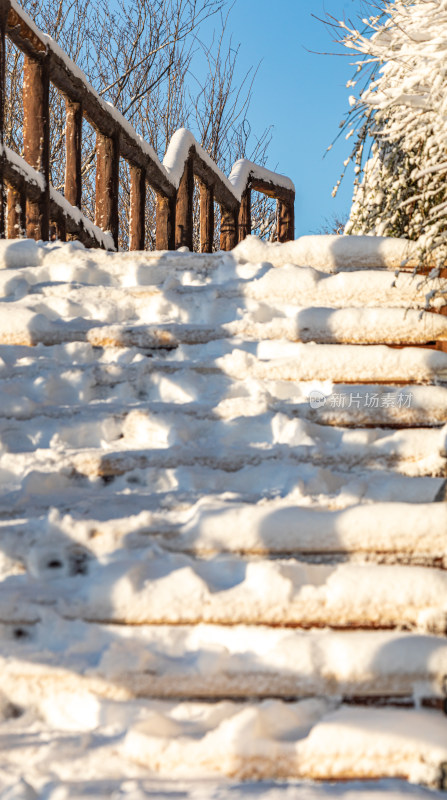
32,201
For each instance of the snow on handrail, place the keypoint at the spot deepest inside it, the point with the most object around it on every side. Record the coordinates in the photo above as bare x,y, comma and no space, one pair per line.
245,171
242,173
172,180
19,172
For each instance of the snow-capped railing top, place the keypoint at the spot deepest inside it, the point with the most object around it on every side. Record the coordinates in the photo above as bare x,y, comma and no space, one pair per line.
172,180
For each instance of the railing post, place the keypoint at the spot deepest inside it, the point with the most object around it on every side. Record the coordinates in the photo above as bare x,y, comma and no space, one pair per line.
228,228
73,153
16,219
36,141
137,208
286,220
245,216
58,230
165,223
107,184
184,207
206,218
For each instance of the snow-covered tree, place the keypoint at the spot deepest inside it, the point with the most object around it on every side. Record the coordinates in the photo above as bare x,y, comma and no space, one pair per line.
399,117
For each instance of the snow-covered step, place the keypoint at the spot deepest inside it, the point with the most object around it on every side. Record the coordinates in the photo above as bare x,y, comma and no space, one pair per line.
332,253
29,496
339,364
93,464
227,443
413,455
160,587
307,286
209,661
309,739
342,406
125,446
30,384
26,327
115,389
201,302
204,524
90,374
98,447
279,528
278,361
327,253
216,789
164,747
320,325
29,263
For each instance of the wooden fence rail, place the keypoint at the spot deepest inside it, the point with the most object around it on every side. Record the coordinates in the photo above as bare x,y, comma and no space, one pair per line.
33,204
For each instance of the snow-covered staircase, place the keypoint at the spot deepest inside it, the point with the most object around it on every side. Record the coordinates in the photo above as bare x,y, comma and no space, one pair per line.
219,551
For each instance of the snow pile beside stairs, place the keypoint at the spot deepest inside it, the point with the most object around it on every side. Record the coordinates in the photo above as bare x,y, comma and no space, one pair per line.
220,558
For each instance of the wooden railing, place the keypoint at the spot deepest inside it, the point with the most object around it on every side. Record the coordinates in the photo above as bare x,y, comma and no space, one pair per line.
33,203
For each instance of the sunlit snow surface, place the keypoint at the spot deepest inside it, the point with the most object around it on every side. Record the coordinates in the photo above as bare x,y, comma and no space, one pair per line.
174,510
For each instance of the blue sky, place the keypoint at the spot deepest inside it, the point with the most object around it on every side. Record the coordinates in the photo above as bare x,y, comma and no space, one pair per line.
303,95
